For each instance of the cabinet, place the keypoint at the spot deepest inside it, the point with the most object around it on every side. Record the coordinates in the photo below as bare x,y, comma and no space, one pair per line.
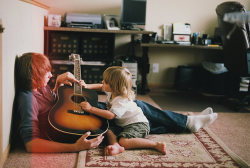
92,45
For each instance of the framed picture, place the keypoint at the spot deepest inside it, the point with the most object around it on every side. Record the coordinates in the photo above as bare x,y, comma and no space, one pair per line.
112,22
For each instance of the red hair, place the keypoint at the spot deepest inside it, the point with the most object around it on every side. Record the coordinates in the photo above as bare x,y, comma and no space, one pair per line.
30,70
40,66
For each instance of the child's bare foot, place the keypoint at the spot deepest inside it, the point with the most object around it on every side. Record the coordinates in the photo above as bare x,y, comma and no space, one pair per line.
161,146
114,149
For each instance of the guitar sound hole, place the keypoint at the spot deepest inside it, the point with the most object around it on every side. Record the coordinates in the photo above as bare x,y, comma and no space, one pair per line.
78,99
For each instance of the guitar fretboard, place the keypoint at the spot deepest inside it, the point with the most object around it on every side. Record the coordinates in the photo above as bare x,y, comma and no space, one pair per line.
77,73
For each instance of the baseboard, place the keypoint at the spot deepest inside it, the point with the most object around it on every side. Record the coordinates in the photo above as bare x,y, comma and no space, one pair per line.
6,154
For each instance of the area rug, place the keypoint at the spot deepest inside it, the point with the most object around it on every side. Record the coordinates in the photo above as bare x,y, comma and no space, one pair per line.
201,149
193,101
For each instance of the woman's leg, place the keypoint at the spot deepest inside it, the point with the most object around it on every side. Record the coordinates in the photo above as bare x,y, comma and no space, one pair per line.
162,121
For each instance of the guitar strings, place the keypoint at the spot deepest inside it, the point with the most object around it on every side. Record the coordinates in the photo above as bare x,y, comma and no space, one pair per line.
76,90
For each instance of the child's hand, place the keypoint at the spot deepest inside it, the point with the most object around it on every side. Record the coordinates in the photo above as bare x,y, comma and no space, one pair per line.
83,84
86,106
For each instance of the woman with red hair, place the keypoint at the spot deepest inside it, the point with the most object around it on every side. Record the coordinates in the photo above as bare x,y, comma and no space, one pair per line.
34,99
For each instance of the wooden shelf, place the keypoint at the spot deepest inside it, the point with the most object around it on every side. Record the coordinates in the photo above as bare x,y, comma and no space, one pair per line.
97,30
181,46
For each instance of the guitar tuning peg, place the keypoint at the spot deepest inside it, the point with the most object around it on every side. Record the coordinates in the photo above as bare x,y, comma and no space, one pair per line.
72,57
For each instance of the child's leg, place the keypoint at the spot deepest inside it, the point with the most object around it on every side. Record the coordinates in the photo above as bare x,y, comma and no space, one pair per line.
133,143
114,147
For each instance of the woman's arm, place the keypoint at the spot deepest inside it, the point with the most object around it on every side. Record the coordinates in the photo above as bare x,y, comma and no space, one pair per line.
65,78
29,129
42,145
100,112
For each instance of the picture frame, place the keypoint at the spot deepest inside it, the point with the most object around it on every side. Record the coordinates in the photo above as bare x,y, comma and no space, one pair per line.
112,22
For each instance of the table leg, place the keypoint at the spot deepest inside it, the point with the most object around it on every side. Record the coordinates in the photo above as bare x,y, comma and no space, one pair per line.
145,60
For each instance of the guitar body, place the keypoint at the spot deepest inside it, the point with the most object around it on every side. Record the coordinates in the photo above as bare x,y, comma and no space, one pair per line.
68,122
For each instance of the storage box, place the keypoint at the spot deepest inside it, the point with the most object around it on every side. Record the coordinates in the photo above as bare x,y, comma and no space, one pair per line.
89,73
96,46
90,46
93,74
62,45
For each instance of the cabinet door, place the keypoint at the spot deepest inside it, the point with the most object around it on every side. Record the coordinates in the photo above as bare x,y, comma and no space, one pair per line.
89,73
90,46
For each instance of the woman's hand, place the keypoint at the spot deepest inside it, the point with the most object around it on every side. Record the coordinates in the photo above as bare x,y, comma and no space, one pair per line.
85,106
66,78
83,143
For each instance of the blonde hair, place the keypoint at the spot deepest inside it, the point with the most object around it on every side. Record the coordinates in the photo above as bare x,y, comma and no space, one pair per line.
120,81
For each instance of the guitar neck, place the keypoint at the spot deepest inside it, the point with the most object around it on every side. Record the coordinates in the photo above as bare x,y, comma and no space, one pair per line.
77,73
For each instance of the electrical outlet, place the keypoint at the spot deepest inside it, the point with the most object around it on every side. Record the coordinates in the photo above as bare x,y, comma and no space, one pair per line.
155,67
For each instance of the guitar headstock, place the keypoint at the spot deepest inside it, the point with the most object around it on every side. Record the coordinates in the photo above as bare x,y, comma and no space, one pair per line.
74,57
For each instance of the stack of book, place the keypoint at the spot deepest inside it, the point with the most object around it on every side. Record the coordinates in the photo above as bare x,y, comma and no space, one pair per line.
244,84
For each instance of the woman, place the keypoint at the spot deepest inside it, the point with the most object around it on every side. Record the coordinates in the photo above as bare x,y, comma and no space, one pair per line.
34,99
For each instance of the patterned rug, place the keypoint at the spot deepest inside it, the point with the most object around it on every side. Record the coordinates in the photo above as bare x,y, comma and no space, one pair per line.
201,149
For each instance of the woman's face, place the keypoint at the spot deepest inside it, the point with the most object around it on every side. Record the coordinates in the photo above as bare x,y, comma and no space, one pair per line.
46,79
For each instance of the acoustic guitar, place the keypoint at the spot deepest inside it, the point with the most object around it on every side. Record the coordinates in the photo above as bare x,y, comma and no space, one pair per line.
67,120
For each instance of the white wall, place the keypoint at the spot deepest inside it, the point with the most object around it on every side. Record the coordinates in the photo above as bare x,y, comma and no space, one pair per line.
199,13
202,17
23,24
23,32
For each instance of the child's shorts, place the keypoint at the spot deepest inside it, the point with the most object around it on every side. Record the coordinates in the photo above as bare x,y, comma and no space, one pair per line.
135,130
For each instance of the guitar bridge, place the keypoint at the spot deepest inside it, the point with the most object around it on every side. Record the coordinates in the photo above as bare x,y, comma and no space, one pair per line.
78,112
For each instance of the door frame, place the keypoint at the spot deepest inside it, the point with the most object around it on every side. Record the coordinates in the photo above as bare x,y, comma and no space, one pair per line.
1,107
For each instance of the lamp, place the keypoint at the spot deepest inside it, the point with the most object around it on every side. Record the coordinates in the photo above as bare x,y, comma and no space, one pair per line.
236,18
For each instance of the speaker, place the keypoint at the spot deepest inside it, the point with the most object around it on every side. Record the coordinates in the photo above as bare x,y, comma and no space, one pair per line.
188,78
